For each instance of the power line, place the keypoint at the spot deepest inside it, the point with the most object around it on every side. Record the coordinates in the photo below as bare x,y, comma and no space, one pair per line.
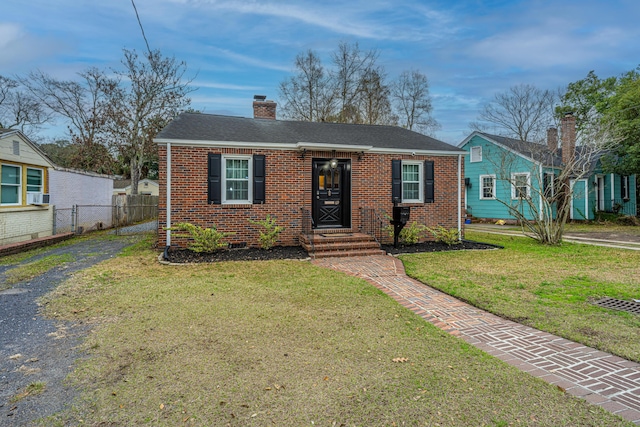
141,29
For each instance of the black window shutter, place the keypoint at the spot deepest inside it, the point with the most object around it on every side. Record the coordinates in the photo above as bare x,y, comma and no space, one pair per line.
259,172
428,181
214,172
396,180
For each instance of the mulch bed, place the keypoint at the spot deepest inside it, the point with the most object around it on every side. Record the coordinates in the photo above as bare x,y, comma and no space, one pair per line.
178,255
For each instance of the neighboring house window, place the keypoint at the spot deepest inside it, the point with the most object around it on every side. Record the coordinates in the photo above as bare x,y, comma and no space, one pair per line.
487,186
476,154
412,191
35,180
520,185
236,179
11,185
548,184
624,187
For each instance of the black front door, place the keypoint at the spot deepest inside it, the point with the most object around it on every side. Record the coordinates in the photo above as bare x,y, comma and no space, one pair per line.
331,193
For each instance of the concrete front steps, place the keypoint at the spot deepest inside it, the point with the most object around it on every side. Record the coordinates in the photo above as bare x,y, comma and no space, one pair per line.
339,243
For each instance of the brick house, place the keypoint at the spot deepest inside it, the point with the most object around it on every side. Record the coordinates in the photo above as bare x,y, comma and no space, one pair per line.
316,179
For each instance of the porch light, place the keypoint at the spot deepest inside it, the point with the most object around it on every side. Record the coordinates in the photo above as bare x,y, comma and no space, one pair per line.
333,164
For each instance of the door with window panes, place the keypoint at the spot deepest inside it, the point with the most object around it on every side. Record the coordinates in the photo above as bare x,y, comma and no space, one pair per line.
331,193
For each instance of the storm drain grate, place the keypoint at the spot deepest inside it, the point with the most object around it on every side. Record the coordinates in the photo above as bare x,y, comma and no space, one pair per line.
618,304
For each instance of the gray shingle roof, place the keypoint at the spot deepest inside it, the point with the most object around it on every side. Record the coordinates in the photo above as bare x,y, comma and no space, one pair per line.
531,150
209,127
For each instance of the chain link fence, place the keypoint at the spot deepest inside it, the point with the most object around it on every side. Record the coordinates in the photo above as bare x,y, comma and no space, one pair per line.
123,219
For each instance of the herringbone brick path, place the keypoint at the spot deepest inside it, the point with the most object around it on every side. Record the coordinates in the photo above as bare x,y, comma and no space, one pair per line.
598,377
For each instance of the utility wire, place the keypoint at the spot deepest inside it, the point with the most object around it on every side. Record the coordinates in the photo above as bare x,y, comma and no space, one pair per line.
141,29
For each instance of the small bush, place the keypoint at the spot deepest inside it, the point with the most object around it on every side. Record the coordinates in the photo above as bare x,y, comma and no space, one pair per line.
269,233
410,234
204,239
449,236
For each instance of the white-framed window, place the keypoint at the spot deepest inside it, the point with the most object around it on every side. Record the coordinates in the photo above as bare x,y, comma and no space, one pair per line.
236,179
624,189
412,182
476,154
520,183
35,180
11,185
548,184
487,187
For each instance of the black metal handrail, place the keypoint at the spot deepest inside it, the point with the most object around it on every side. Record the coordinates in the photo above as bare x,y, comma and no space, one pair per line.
372,224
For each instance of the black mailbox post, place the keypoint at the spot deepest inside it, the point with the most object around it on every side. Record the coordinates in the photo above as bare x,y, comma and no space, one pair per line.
399,220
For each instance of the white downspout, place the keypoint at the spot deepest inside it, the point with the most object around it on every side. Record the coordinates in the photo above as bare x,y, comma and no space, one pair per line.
168,193
460,196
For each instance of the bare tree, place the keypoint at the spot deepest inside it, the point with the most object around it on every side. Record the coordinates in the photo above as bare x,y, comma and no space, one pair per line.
82,105
18,109
413,102
523,112
375,104
151,92
309,95
351,66
541,196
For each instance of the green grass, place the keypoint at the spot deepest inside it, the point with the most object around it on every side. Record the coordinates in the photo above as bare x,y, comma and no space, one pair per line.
31,390
35,268
549,288
281,343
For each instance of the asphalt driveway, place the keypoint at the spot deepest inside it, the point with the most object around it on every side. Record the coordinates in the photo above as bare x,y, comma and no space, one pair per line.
34,349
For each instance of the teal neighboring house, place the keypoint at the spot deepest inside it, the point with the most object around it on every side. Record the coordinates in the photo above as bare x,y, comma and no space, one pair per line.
501,171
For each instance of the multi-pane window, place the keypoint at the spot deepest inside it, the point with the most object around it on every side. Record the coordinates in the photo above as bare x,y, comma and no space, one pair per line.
520,185
476,154
624,190
11,185
412,182
236,179
487,187
34,180
548,185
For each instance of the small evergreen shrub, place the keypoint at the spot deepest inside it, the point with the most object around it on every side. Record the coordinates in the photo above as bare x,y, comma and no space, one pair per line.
449,236
204,239
410,234
269,233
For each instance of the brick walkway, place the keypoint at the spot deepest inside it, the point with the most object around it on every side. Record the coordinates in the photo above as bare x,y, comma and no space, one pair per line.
598,377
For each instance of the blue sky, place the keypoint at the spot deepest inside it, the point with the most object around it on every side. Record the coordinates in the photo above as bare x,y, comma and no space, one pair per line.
469,50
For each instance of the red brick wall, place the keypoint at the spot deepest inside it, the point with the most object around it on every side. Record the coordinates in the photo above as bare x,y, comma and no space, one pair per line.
288,189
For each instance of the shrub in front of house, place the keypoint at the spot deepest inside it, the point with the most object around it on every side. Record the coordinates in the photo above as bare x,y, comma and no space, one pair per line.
269,233
203,239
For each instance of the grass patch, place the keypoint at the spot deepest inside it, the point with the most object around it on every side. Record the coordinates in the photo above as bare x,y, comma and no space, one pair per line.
35,268
548,288
31,390
282,343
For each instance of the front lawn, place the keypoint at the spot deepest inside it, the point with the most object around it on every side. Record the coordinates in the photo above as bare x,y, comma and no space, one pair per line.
282,343
548,288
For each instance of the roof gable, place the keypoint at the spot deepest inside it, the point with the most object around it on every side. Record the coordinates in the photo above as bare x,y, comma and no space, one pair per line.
207,128
531,151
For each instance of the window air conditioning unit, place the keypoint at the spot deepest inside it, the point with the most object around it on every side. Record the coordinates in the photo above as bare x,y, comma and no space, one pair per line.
35,198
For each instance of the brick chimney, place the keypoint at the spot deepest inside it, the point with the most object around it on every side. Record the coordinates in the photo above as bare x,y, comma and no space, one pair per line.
552,139
263,108
568,137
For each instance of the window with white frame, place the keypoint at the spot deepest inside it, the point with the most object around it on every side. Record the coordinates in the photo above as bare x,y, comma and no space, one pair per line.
548,184
412,190
520,183
11,185
476,154
487,187
236,175
35,180
624,189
